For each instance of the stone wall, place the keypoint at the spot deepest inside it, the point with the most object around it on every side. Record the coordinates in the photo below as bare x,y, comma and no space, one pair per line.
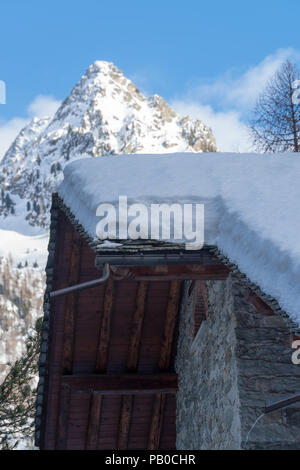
239,359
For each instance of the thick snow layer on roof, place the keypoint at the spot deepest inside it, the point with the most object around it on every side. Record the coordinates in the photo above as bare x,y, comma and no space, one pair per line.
251,205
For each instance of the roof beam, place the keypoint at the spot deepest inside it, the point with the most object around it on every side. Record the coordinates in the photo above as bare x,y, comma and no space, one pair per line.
63,417
156,422
104,335
137,324
93,422
126,384
164,363
132,362
170,323
124,424
171,273
142,256
71,306
101,364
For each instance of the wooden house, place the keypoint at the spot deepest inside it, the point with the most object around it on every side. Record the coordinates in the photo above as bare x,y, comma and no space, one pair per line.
126,359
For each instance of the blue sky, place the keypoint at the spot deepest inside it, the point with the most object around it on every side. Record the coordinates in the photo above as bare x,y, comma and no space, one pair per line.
194,53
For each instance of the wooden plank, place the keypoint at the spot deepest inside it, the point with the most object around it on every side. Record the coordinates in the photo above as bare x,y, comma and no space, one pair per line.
63,417
164,363
170,323
93,422
109,384
124,425
71,306
156,423
204,293
260,305
132,362
137,324
200,305
121,256
103,344
170,273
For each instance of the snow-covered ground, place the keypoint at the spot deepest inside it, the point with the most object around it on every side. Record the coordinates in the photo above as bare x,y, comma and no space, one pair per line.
251,205
24,248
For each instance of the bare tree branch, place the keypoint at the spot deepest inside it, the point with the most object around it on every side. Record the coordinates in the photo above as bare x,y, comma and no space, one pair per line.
275,126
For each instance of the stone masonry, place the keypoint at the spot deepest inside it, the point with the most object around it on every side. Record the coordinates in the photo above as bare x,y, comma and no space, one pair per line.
239,360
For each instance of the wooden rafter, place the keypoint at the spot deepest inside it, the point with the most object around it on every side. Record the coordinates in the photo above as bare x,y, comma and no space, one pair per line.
200,306
170,323
71,306
63,417
132,362
156,422
93,421
68,348
124,424
137,324
124,384
164,363
204,293
101,362
260,305
172,272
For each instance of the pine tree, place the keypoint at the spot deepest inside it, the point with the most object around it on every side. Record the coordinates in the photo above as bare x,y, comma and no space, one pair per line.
18,395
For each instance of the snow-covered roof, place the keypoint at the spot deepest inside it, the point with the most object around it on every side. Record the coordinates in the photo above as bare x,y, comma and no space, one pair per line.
251,205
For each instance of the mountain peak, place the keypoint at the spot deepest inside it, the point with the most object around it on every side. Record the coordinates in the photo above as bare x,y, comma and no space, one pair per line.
101,66
105,114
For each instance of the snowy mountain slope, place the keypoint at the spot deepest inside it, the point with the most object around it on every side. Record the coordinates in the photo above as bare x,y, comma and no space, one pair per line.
21,300
105,114
24,250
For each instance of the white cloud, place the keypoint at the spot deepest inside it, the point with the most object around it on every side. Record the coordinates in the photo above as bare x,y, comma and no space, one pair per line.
224,103
229,130
8,132
41,106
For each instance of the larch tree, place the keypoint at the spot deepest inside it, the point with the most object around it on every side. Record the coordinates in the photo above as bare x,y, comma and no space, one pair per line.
275,126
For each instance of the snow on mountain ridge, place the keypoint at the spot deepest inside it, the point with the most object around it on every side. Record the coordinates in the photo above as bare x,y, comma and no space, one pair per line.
105,114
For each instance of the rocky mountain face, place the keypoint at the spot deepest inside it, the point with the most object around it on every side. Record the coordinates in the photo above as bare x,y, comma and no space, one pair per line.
105,114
